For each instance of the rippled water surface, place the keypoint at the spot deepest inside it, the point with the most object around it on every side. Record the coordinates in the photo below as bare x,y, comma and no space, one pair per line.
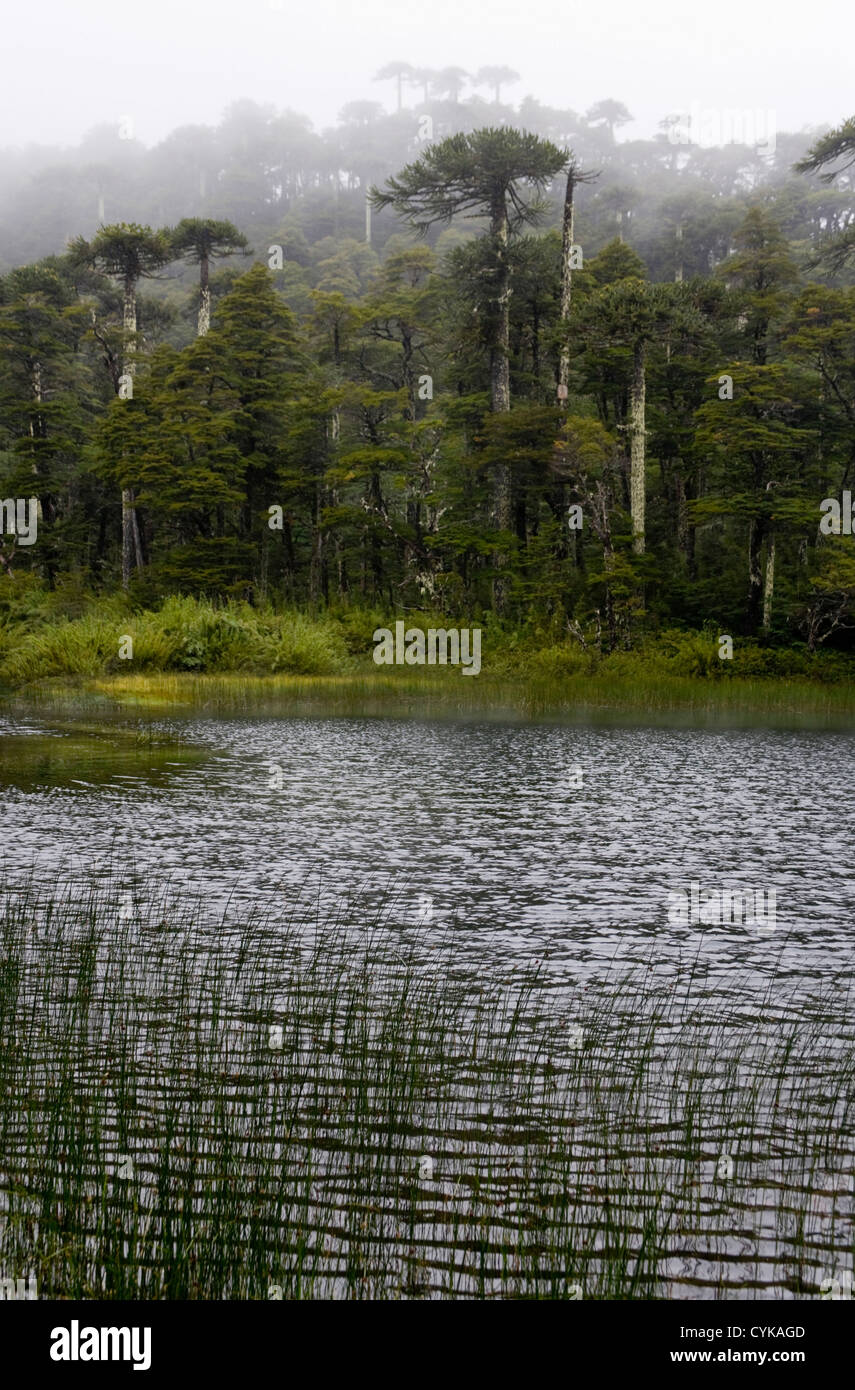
509,845
530,839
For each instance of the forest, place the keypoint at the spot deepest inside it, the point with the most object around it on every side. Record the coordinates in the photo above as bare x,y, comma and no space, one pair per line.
465,359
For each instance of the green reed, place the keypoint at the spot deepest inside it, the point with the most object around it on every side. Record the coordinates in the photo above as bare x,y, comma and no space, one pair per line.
196,1108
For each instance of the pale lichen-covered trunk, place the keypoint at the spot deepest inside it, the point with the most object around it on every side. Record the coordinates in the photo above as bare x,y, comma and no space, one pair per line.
500,385
38,430
204,322
637,451
500,365
601,522
131,544
769,586
678,273
566,284
36,421
756,534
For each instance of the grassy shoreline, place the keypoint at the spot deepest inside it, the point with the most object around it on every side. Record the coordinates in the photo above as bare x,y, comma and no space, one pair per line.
441,694
194,653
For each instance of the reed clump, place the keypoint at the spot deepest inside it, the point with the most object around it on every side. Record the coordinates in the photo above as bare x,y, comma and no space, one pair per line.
195,1107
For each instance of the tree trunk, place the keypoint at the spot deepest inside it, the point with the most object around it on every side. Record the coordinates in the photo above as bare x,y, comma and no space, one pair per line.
681,510
204,298
500,387
127,536
138,549
756,535
566,277
500,366
602,526
769,589
131,549
316,563
637,447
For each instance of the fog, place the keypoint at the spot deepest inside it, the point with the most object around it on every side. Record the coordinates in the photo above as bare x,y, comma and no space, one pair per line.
68,66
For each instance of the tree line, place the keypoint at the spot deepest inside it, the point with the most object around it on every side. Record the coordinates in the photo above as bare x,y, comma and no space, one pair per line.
508,423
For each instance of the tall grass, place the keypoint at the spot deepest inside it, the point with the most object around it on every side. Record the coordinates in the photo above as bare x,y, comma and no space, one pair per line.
233,651
442,693
195,1109
184,634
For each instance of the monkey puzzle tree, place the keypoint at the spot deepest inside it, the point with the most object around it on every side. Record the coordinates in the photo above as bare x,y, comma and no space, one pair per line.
199,241
396,71
424,78
130,253
496,77
609,113
835,145
575,176
450,83
500,174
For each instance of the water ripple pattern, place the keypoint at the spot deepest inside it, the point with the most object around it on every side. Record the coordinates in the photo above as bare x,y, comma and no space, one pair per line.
560,842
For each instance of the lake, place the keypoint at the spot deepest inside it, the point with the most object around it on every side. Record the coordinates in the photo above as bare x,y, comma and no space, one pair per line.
530,839
569,847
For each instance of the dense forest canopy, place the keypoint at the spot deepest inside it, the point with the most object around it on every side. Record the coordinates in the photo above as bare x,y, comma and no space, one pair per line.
466,357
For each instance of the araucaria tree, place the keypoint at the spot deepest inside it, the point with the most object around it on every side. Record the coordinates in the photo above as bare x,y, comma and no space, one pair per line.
199,241
500,174
130,253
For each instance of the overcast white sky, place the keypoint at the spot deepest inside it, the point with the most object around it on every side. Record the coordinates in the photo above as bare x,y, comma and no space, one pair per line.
68,64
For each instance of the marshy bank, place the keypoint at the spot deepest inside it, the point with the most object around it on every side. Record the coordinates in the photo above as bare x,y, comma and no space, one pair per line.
254,1107
232,655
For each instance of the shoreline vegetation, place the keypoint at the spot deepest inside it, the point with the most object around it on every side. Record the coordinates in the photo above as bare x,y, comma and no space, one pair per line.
259,1107
192,652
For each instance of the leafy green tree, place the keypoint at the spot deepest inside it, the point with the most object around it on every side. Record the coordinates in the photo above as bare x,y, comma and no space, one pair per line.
632,314
759,442
210,441
761,273
46,397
